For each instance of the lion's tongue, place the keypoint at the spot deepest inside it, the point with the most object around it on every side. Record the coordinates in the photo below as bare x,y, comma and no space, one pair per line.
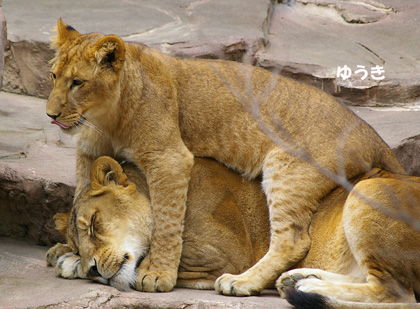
63,126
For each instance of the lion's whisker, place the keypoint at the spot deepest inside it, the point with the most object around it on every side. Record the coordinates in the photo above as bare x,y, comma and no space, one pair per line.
90,125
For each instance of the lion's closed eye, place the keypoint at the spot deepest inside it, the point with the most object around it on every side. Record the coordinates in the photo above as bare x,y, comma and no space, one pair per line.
92,227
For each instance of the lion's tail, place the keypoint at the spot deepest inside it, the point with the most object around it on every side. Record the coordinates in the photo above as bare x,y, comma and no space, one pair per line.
303,300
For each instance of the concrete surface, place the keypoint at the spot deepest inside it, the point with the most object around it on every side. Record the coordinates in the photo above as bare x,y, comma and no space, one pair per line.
185,28
310,39
37,170
393,124
28,138
26,282
150,22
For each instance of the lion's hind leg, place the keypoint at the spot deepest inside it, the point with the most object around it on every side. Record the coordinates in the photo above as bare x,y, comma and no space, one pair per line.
304,279
336,286
385,248
293,188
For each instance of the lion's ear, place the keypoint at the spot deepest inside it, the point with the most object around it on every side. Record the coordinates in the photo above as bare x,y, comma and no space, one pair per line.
64,33
104,172
61,222
110,52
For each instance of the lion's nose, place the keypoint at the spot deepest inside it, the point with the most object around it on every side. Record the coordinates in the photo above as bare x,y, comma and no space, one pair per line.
54,117
93,272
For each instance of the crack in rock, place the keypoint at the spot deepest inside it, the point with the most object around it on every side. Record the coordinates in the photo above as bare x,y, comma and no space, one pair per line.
353,11
194,4
372,52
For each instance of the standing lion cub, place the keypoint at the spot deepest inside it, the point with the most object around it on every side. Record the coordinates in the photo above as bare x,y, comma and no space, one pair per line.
130,101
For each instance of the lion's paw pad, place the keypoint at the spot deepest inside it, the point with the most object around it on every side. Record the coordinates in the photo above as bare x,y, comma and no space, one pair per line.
68,266
288,280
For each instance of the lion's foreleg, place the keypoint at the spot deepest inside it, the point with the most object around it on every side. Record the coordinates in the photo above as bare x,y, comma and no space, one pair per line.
55,252
168,175
293,190
90,145
68,266
83,165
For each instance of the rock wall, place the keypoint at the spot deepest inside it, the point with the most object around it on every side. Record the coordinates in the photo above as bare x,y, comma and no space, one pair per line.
37,170
408,154
3,41
26,68
307,40
28,205
188,29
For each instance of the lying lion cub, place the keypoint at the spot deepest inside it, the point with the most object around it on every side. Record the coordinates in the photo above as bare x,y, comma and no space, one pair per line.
358,253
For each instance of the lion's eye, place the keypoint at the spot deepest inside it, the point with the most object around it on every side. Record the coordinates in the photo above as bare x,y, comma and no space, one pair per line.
76,82
53,77
92,227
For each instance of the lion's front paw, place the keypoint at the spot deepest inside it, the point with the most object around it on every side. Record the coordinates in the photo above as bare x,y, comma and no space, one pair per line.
239,285
290,279
153,281
68,266
54,253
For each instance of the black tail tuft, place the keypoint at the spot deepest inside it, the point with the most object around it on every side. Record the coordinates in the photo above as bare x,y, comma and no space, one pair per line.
303,300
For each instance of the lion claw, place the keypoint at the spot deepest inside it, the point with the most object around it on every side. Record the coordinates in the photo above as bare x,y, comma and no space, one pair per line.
228,284
152,281
54,253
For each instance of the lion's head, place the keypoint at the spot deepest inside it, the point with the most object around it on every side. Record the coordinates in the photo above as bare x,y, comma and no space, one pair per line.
84,77
109,226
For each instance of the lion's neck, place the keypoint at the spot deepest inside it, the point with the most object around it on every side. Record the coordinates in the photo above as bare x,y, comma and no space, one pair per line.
140,82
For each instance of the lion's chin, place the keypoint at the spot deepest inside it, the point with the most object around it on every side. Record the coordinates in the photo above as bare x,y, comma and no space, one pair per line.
125,278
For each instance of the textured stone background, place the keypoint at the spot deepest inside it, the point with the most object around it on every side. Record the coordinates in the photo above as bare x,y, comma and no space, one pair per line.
3,41
303,39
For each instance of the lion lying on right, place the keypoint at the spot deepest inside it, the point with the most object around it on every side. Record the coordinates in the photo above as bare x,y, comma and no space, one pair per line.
358,253
362,250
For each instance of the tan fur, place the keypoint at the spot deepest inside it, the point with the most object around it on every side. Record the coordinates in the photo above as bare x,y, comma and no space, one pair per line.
365,245
227,227
358,254
133,102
